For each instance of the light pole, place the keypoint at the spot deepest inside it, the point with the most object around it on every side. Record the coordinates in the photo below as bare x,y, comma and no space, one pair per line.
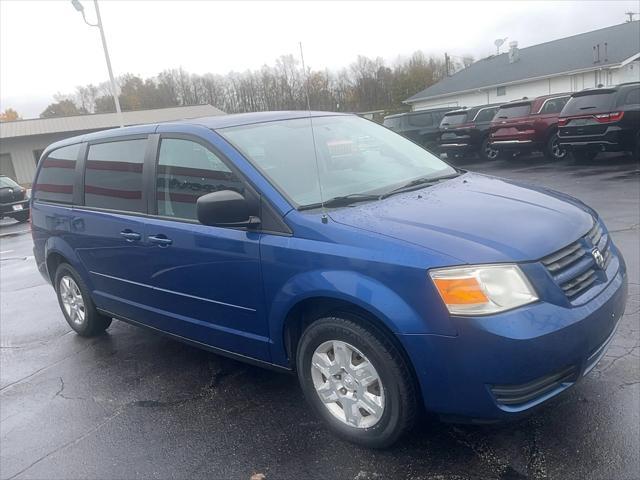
114,89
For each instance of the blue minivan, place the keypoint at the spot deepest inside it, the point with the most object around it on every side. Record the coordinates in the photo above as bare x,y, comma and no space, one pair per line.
328,245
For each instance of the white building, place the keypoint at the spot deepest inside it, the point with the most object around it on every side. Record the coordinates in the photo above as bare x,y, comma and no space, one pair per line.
22,141
608,56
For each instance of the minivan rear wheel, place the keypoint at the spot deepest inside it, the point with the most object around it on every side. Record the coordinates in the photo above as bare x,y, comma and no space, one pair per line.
76,304
357,381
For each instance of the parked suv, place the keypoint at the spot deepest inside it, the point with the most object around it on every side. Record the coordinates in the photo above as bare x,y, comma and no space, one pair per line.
422,127
384,277
529,125
466,131
14,202
602,119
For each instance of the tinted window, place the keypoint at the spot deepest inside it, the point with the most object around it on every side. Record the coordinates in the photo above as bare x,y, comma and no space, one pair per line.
420,120
56,177
632,97
501,91
513,112
393,123
589,103
453,119
186,171
486,114
113,175
554,105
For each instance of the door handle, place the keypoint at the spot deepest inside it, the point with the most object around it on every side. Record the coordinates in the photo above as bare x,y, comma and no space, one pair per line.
130,236
160,240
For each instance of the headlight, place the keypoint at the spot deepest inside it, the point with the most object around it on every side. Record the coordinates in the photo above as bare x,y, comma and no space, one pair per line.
482,289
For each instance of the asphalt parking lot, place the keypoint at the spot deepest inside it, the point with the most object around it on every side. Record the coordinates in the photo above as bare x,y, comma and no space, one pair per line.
133,404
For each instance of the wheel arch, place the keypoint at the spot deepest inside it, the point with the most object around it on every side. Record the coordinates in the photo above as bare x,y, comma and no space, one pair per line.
310,309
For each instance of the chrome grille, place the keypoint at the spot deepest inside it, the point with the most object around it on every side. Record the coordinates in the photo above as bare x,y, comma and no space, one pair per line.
573,267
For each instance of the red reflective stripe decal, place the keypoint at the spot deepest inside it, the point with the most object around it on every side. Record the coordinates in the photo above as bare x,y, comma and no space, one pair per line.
114,166
51,188
180,197
56,163
195,172
112,192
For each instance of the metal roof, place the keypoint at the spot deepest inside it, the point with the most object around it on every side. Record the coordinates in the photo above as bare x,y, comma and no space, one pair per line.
570,54
98,121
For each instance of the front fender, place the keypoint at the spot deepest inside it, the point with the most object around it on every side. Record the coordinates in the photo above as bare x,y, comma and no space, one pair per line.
348,286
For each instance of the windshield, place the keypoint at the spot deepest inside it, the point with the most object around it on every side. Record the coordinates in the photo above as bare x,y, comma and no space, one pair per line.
513,112
590,103
7,182
450,120
354,156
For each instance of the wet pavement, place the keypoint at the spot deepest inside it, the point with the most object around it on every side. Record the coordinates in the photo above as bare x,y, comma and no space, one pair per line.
133,404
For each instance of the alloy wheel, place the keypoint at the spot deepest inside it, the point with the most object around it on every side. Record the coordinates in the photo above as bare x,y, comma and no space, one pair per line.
348,384
490,153
557,152
72,300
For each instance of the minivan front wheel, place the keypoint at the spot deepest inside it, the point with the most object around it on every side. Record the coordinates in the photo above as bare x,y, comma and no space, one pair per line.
76,303
357,381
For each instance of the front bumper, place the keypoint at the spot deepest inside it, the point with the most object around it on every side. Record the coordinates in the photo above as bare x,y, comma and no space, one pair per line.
501,366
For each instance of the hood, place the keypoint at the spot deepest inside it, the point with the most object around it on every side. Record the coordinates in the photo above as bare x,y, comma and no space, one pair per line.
476,219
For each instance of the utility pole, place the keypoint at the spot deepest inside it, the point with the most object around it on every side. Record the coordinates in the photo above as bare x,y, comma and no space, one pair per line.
114,88
447,62
630,14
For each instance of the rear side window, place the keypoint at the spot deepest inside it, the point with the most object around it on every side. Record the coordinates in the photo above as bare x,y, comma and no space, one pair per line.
420,120
453,119
113,175
514,111
486,114
589,103
56,178
393,123
186,171
632,97
554,105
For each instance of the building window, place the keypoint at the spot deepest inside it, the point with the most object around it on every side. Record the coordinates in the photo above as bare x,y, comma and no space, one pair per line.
37,154
501,91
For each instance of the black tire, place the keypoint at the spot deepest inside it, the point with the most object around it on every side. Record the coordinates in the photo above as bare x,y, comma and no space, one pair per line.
584,155
400,397
552,149
636,150
487,153
93,323
22,217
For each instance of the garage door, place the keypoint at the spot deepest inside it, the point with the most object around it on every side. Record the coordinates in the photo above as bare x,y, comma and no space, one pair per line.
6,166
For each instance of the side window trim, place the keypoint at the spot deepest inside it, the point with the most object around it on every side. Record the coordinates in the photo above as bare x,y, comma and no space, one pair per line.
78,192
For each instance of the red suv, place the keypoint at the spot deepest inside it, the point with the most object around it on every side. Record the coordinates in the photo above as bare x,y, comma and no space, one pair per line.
529,125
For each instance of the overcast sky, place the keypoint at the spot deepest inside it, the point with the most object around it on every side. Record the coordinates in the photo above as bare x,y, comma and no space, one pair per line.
46,48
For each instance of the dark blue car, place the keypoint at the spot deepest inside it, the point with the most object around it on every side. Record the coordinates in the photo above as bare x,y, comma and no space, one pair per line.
328,245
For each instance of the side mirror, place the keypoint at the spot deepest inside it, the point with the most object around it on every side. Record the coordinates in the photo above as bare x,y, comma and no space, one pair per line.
225,208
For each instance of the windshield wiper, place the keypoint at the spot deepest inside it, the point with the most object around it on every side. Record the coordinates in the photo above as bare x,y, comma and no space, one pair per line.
418,183
342,201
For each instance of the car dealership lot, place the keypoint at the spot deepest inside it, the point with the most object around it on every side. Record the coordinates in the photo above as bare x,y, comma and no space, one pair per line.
133,404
